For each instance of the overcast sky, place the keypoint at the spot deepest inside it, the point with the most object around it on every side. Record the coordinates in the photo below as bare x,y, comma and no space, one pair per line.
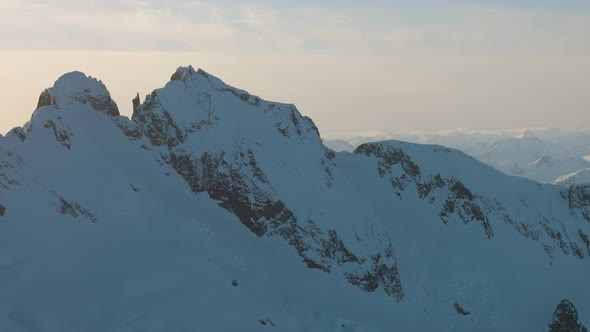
349,65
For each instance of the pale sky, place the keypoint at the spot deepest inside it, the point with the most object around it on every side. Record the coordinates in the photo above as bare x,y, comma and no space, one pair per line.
349,65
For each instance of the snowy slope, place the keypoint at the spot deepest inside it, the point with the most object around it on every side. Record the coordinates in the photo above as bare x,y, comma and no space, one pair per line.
213,209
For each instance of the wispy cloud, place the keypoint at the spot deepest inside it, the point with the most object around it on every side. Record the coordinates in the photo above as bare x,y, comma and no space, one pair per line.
243,27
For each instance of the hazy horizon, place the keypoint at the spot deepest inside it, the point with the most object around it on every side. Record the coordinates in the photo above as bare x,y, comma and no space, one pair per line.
380,66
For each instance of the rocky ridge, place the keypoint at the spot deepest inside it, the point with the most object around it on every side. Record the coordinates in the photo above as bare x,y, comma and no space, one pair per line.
344,215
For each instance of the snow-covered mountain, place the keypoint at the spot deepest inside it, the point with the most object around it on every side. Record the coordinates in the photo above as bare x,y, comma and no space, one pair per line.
213,209
458,139
558,154
530,157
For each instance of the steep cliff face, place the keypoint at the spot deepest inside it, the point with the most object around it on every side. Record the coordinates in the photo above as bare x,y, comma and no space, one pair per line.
486,203
211,203
248,135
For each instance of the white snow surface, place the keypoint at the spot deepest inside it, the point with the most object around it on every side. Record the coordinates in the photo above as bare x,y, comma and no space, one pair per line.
101,233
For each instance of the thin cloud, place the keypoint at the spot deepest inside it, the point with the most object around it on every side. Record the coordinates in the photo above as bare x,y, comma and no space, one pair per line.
241,27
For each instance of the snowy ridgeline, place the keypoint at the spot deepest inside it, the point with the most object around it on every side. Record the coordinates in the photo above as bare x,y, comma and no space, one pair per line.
212,209
544,155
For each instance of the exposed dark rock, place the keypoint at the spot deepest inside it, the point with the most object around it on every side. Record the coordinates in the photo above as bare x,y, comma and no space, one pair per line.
560,237
460,310
458,200
62,134
460,191
234,283
183,74
314,265
19,133
265,322
73,209
426,187
104,104
295,122
296,125
10,167
129,128
2,210
585,239
328,166
565,319
487,227
378,274
45,99
461,203
333,248
136,102
158,125
389,156
238,183
579,200
466,205
135,188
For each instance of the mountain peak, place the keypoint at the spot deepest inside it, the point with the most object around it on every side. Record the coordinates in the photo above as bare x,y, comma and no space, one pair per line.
76,87
194,101
184,73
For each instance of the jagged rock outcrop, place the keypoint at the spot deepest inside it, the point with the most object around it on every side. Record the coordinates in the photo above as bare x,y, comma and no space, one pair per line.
46,99
565,319
11,165
402,172
460,310
579,200
61,132
19,133
183,73
459,202
73,209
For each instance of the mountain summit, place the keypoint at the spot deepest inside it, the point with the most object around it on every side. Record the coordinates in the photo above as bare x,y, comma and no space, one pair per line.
77,88
214,209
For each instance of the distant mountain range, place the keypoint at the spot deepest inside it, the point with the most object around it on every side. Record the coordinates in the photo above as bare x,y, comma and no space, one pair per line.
541,155
212,209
